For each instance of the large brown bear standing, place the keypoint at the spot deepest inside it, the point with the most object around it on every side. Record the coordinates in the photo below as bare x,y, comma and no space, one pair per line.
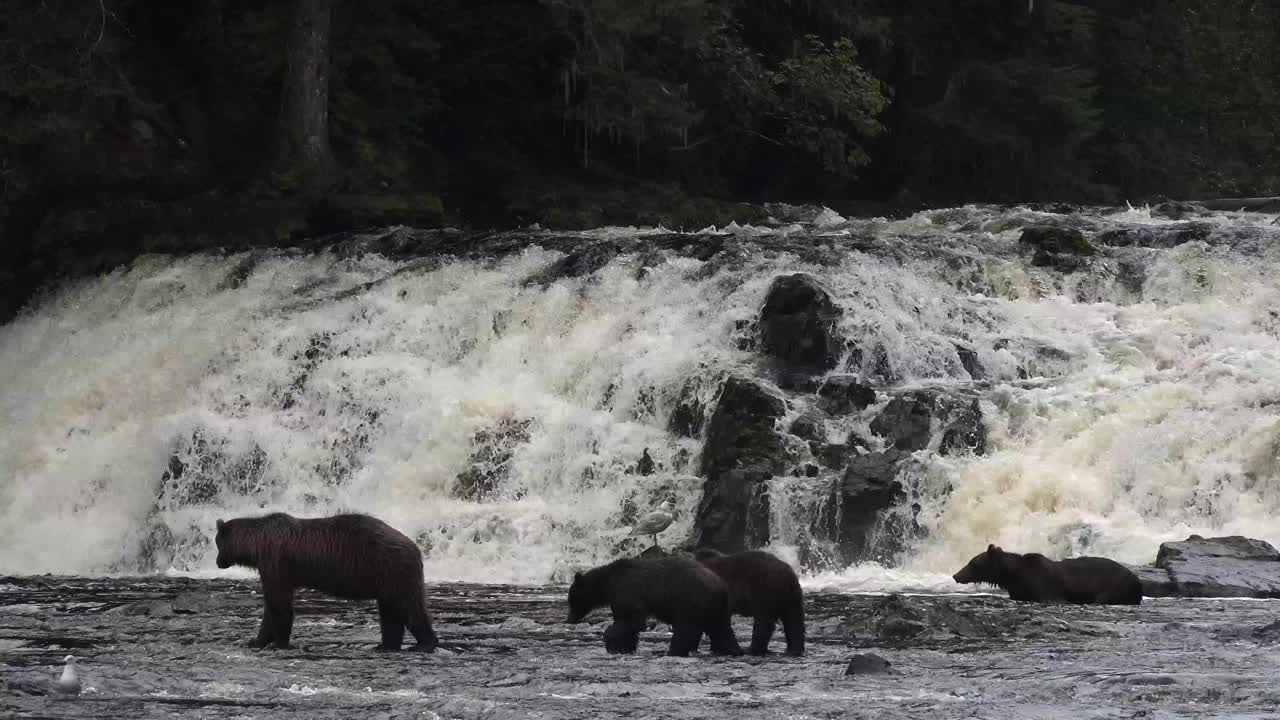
763,588
349,556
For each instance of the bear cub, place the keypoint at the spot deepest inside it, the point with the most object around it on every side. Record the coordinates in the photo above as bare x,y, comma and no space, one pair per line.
763,588
1036,578
355,557
675,590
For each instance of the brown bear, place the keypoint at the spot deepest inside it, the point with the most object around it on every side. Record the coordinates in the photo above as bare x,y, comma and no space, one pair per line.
764,588
675,590
349,556
1036,578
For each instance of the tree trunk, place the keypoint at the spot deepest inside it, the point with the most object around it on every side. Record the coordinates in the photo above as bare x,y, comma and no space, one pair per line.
305,160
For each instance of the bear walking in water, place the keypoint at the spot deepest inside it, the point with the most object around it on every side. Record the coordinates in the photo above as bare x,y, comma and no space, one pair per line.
675,590
763,588
349,556
1036,578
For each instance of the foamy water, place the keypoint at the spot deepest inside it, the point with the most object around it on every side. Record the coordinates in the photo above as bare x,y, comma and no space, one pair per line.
1120,414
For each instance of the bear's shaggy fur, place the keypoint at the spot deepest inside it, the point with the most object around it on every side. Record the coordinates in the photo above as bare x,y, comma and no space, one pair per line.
349,556
1036,578
675,590
763,588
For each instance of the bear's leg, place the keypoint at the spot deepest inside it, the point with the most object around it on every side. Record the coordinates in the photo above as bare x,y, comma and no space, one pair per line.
685,638
279,614
266,630
723,641
392,622
623,636
761,632
793,628
418,620
620,639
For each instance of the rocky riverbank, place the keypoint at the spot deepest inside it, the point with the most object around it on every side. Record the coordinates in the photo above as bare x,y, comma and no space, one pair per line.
157,647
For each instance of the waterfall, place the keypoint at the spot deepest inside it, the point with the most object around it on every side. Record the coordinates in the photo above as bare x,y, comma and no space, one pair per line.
492,395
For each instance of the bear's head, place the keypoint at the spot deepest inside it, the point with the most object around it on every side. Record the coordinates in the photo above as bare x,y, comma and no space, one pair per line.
229,552
585,595
985,567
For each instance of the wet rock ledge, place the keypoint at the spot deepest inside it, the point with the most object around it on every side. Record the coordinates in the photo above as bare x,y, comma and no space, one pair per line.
1231,566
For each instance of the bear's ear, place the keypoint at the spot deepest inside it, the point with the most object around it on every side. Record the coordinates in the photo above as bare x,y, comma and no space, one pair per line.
221,523
993,549
577,576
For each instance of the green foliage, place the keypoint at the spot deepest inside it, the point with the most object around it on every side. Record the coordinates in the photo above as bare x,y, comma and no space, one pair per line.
674,77
829,103
568,108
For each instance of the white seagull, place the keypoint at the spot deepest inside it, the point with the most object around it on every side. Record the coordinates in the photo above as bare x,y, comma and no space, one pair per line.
655,522
69,683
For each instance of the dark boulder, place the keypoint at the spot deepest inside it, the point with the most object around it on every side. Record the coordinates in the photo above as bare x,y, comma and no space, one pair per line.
830,455
579,262
1055,247
1231,566
743,451
843,394
1155,236
798,326
969,361
811,425
1176,210
645,465
909,422
868,664
867,524
734,513
689,414
1056,240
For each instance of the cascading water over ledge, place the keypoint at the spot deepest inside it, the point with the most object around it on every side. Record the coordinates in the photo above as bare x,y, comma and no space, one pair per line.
492,395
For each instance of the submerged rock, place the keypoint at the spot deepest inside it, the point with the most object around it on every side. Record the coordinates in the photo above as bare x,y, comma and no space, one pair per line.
1232,566
969,361
910,421
1059,248
1056,240
798,325
1156,236
868,664
843,394
1177,210
689,414
811,425
490,461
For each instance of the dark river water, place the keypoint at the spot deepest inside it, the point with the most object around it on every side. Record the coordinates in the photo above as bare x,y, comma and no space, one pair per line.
170,647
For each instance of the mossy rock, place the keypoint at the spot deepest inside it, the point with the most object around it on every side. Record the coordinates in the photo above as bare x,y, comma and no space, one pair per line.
1056,240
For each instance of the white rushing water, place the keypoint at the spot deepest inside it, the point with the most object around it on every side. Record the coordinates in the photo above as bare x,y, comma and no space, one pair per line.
1120,413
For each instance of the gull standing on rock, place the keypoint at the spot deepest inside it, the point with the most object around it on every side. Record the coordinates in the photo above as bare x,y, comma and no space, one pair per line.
69,683
655,522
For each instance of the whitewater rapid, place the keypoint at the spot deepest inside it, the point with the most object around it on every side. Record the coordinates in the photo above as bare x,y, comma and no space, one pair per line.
1129,403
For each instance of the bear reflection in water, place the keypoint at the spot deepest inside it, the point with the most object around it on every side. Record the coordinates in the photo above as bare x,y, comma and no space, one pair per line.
1035,578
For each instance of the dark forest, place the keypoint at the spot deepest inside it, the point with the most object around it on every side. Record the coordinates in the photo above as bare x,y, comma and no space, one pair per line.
135,125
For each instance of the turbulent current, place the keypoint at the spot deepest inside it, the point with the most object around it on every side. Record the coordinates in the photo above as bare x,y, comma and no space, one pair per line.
493,397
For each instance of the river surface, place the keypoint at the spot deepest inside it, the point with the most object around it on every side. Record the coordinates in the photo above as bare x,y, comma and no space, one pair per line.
173,647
